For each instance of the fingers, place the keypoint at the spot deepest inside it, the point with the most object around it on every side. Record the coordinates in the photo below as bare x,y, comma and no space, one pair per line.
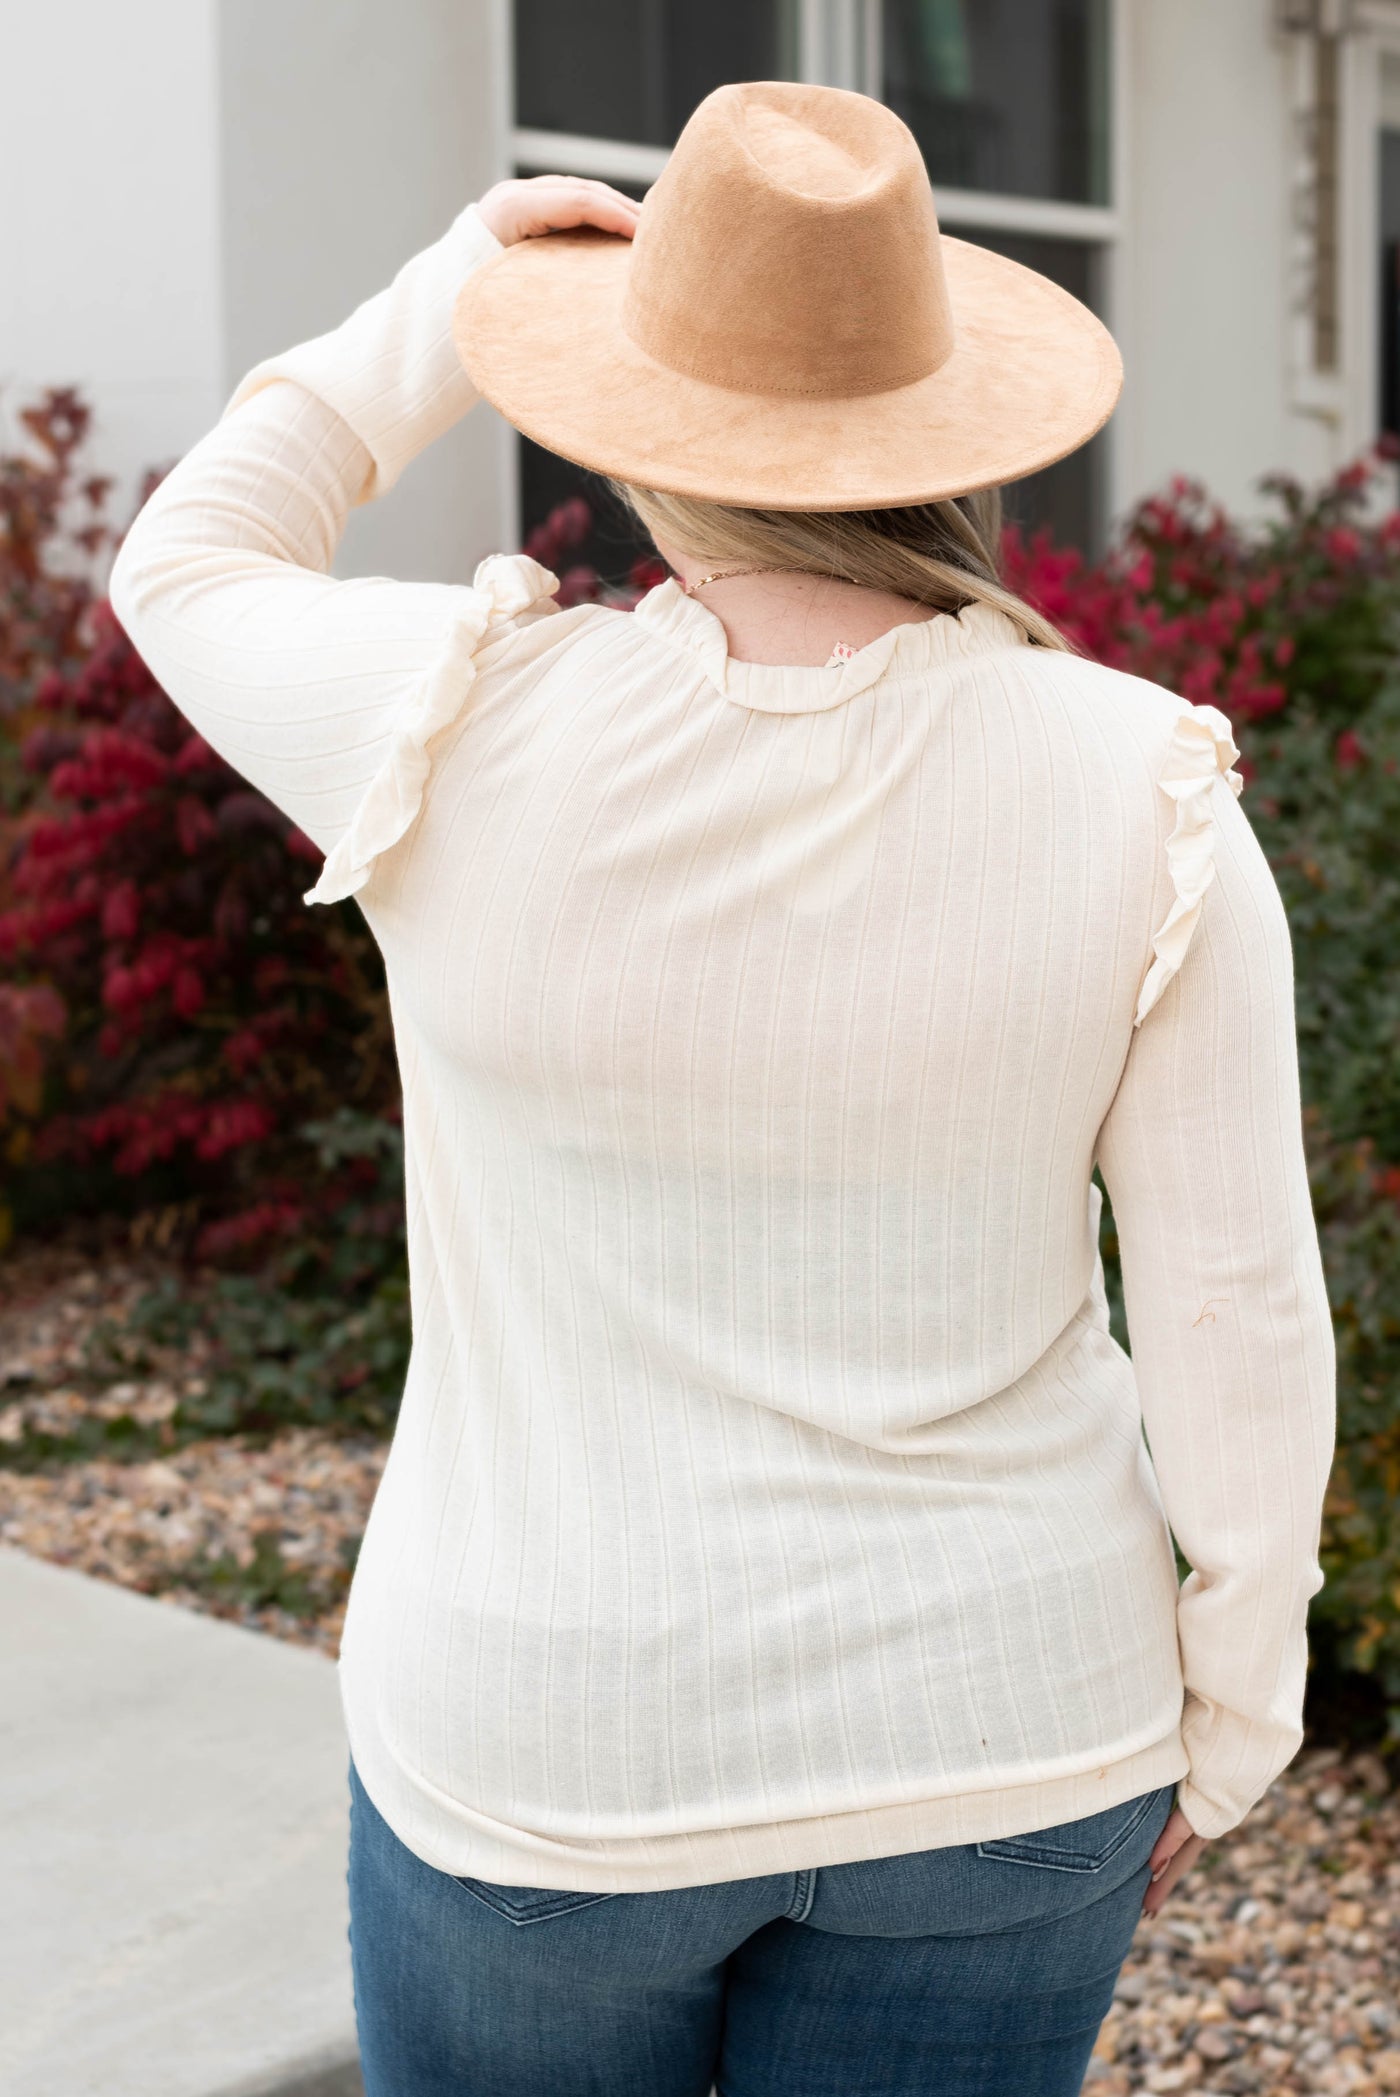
527,206
605,191
1177,1830
1159,1892
610,214
1175,1853
601,205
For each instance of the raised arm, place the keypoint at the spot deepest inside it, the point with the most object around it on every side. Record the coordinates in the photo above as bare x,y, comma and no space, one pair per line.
221,581
1202,1156
302,683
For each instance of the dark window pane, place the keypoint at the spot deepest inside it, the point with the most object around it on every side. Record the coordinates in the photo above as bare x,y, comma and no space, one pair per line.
629,189
1390,282
634,69
1066,496
1004,95
616,539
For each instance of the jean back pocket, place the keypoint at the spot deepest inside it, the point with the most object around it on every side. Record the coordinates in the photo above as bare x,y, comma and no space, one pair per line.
1083,1845
522,1904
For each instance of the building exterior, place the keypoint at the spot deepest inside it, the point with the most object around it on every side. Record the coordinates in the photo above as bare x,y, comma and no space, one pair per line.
195,183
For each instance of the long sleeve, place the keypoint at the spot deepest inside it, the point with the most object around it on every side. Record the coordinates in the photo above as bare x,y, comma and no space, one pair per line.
1202,1155
299,681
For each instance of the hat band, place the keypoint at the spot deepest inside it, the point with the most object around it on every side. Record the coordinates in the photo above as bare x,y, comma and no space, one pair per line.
758,383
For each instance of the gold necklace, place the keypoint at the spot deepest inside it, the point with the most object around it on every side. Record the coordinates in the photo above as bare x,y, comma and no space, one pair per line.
728,575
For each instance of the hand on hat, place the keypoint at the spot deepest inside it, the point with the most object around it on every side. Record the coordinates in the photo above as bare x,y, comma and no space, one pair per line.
525,206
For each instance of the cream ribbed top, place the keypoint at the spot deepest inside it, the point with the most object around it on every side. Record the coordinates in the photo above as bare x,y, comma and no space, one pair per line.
768,1490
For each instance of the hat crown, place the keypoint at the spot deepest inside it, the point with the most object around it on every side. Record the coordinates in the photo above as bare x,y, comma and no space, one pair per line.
790,247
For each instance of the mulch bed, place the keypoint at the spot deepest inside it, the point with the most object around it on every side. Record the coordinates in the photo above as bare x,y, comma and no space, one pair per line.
1274,1969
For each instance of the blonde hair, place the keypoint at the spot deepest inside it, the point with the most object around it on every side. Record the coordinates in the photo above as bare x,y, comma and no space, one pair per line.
944,554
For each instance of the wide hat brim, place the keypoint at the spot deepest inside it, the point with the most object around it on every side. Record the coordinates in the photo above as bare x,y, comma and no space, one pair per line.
1031,376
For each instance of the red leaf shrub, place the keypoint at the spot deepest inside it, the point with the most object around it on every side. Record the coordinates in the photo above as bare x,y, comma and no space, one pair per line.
170,1012
563,532
47,507
1239,618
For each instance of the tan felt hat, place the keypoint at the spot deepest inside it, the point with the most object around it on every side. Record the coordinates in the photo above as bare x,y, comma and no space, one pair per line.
788,329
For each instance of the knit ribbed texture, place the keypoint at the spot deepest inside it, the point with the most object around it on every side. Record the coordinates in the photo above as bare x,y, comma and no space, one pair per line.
768,1490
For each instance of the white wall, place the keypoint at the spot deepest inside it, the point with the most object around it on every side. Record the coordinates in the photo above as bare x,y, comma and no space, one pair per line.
351,133
190,185
1207,264
109,272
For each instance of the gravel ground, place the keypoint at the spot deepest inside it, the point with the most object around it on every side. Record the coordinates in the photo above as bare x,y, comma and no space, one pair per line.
261,1531
1274,1969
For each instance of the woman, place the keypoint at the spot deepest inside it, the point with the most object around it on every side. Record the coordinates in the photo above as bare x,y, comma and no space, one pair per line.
765,1665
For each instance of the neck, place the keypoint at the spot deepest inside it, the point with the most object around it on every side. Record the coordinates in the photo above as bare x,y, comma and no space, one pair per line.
788,617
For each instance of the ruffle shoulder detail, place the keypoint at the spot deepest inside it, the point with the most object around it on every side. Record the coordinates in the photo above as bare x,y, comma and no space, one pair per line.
1202,747
502,588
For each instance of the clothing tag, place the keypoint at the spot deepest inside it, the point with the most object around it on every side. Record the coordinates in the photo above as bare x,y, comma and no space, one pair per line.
841,653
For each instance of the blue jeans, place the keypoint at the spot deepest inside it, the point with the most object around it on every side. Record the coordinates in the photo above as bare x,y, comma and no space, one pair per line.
982,1970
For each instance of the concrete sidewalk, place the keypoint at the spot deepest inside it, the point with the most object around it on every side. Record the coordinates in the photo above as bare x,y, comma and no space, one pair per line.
172,1850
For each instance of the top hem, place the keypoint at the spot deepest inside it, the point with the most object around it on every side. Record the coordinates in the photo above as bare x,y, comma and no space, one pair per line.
663,1863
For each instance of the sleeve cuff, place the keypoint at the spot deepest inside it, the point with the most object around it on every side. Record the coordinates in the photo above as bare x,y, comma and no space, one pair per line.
1205,1819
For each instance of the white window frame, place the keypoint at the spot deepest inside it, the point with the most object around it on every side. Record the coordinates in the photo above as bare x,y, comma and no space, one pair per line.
839,45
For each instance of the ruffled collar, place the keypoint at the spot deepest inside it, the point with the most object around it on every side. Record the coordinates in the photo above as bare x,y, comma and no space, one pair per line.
781,688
